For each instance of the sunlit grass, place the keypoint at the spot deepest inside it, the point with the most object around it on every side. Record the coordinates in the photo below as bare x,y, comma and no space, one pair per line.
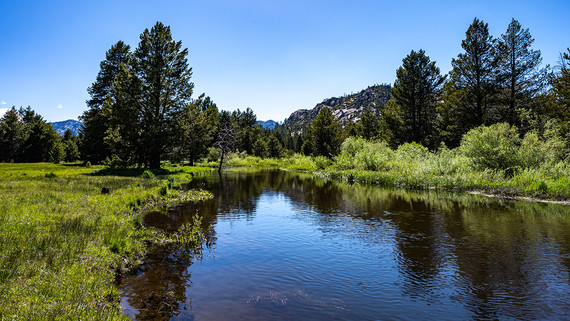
63,243
414,166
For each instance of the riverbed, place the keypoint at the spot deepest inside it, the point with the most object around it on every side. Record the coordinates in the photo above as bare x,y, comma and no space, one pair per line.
292,246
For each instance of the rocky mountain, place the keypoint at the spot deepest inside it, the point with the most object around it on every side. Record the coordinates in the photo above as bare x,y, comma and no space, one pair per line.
61,126
347,108
267,124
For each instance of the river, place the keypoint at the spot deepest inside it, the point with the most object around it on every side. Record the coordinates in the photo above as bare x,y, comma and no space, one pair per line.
290,246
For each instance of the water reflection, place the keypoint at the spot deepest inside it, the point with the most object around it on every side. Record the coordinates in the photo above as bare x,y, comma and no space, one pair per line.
295,246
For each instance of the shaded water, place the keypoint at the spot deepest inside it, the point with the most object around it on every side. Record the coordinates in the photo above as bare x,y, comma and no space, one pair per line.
287,246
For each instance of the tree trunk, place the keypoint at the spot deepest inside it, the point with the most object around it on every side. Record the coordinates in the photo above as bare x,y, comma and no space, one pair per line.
221,161
155,160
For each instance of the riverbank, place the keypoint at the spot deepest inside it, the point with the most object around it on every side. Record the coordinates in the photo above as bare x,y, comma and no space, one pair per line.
413,167
63,243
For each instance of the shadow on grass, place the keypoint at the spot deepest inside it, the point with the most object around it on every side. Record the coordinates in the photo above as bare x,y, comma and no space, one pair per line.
73,165
133,172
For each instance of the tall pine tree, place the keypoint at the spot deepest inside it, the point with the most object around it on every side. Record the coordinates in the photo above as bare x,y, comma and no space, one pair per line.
519,72
473,78
148,98
162,67
416,90
95,124
325,134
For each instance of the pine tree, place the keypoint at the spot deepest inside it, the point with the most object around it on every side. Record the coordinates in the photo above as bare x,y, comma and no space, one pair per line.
370,125
148,98
561,90
123,111
95,124
12,136
519,73
325,134
473,78
199,125
71,150
417,89
161,65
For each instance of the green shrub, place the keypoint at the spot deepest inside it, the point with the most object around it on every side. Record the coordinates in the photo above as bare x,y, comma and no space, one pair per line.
147,174
321,162
358,153
492,147
213,154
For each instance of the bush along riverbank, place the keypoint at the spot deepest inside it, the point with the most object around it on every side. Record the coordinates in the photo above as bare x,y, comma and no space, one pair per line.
63,242
490,160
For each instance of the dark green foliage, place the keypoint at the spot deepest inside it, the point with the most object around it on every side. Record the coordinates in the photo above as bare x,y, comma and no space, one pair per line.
561,93
274,147
416,91
246,129
95,124
161,65
148,98
518,72
370,125
26,137
260,148
473,83
325,134
199,125
12,135
392,123
71,151
124,115
352,130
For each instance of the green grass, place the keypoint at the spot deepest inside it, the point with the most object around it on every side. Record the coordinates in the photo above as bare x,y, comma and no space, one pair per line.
413,166
63,243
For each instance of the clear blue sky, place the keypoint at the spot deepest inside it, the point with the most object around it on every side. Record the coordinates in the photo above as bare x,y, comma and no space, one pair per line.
272,56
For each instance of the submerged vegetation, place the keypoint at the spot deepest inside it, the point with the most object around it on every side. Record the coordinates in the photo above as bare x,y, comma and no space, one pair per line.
63,243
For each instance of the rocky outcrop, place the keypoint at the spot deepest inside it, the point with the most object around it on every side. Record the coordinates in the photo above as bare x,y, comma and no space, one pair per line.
347,109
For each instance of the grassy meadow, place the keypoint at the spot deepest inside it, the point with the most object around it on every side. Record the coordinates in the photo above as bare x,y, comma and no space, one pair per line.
63,243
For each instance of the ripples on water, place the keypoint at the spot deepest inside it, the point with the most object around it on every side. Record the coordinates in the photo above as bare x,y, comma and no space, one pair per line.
294,247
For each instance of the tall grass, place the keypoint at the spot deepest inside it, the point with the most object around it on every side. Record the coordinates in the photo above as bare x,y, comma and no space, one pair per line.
63,243
492,159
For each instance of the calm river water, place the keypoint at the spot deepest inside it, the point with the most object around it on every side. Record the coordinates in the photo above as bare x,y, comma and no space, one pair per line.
288,246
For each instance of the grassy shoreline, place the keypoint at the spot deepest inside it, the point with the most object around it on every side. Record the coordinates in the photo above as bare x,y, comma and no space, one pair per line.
430,171
63,243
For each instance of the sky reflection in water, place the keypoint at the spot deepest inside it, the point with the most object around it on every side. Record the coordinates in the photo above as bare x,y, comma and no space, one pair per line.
288,246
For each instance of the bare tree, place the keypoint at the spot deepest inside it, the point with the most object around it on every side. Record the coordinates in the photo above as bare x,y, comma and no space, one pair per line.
225,142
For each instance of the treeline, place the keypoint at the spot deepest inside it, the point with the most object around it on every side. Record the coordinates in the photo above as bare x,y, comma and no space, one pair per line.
495,80
140,110
140,113
26,137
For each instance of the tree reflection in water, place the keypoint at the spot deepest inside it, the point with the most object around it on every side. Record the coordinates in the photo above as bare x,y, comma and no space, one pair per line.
487,258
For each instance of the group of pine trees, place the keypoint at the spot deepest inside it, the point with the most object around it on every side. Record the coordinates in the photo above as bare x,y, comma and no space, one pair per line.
141,111
26,137
495,80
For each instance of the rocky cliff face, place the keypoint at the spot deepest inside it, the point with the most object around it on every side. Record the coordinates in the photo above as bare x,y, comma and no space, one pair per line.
347,109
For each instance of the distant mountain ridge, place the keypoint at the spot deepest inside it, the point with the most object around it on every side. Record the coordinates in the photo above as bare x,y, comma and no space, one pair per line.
348,109
270,124
61,126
